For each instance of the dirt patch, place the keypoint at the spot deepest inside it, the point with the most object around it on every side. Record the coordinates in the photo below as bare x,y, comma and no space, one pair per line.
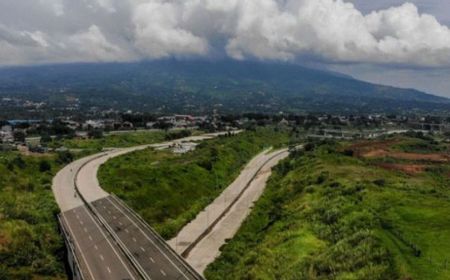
438,158
411,169
367,146
382,149
3,241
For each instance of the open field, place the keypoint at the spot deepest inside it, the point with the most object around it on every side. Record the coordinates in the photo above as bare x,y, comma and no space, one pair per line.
328,214
121,140
168,190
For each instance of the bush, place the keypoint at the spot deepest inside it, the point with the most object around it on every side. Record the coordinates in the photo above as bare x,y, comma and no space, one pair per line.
44,166
65,157
380,182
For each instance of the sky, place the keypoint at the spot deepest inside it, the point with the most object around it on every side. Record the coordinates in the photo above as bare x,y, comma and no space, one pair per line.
392,42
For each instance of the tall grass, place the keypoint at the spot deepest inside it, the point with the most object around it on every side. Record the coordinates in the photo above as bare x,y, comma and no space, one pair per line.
326,215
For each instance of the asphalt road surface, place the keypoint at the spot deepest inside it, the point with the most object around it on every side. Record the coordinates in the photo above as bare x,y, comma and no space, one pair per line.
154,258
99,257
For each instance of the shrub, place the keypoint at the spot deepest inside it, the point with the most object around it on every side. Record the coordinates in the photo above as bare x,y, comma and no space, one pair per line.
44,166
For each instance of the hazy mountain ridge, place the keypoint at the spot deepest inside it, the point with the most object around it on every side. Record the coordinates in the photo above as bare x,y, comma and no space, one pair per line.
186,86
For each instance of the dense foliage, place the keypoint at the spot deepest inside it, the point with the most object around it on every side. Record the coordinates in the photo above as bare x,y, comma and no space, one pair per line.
168,190
328,215
30,245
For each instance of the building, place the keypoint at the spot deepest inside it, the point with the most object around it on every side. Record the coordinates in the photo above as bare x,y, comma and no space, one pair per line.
6,134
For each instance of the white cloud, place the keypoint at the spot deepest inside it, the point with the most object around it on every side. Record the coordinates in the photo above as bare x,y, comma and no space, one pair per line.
56,6
92,45
329,30
159,31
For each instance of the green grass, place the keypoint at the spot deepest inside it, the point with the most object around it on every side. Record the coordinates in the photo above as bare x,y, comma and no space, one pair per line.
425,144
115,141
325,216
169,190
30,245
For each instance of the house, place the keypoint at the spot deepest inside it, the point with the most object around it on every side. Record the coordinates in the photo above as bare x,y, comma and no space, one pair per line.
6,134
179,120
93,124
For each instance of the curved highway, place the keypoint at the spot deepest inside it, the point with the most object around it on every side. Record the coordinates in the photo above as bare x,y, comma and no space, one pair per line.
109,240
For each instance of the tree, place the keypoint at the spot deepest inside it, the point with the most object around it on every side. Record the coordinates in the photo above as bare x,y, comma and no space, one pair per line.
65,157
95,133
19,162
19,136
44,166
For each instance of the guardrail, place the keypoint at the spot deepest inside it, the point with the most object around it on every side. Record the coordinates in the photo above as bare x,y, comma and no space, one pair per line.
160,240
75,266
117,240
121,246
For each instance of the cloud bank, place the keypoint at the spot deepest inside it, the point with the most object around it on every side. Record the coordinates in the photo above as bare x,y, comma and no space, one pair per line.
333,31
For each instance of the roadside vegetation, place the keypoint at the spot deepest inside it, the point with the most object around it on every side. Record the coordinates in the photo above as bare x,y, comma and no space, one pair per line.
168,190
99,141
30,244
335,211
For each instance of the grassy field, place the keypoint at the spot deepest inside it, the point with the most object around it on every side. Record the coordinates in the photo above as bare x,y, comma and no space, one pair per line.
327,214
30,245
168,190
120,140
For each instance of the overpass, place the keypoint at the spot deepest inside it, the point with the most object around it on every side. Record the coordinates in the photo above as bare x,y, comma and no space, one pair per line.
106,239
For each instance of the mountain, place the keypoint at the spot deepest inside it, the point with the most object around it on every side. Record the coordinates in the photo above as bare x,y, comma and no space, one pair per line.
198,86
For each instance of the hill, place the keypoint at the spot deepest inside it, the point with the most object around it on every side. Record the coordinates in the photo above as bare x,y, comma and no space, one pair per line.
196,86
341,211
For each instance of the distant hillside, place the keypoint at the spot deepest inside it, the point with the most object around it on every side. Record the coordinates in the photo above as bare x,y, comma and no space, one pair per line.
198,86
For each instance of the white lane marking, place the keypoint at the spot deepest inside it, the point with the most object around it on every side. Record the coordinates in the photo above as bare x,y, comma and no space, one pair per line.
109,212
109,270
90,237
127,231
153,242
153,261
162,272
134,239
104,207
120,223
79,248
101,257
143,250
95,246
106,238
114,217
85,229
81,222
78,217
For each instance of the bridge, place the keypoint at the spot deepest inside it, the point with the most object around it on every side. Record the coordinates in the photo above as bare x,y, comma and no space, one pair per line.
105,238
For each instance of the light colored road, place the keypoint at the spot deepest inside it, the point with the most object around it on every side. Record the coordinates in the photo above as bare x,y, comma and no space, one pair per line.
102,250
200,240
87,180
63,185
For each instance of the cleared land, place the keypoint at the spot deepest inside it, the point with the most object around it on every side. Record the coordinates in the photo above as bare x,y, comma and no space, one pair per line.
329,213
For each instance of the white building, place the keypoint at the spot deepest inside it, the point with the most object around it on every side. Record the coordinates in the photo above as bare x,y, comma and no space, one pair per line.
6,134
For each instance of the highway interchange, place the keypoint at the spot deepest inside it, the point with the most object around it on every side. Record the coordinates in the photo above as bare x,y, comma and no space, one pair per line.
110,241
